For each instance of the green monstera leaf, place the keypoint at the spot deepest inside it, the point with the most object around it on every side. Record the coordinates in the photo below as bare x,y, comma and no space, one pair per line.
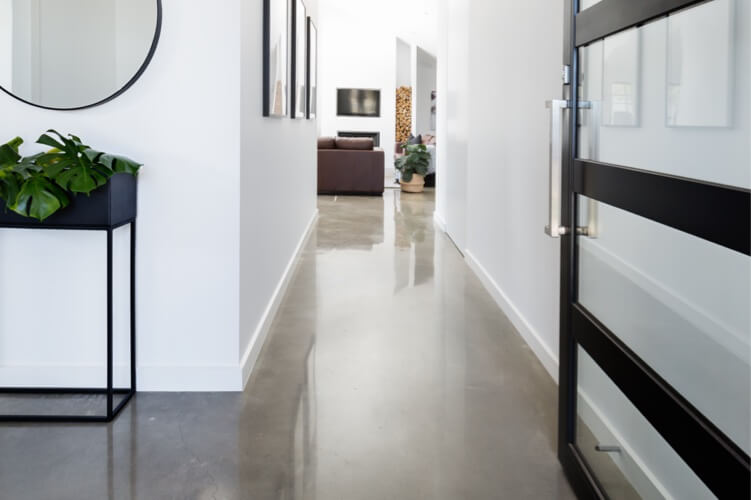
9,152
118,164
78,168
67,164
9,187
38,186
9,176
39,198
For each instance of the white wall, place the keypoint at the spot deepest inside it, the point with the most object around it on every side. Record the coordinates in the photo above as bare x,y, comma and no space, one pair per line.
454,121
278,185
426,79
356,52
403,64
442,86
216,230
6,44
508,158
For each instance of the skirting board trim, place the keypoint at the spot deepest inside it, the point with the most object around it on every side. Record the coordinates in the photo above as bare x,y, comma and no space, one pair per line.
151,378
250,357
547,357
62,376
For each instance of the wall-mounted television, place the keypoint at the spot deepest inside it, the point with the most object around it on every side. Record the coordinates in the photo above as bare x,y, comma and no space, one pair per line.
358,102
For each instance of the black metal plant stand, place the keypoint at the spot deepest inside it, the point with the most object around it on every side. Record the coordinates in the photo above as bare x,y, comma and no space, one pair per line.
107,209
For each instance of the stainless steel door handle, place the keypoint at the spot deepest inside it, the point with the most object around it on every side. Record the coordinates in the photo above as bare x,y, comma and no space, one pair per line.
554,228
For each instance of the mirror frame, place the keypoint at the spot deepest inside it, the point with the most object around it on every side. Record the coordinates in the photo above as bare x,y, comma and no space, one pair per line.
125,87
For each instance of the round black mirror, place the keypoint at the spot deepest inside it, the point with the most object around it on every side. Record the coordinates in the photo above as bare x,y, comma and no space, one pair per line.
74,54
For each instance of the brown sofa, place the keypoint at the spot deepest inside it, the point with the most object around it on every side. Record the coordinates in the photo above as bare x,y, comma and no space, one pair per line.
348,165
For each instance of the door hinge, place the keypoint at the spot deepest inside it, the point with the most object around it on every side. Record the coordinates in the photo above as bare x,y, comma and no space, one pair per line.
566,76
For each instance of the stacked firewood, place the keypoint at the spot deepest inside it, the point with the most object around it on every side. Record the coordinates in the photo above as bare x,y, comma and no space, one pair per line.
403,114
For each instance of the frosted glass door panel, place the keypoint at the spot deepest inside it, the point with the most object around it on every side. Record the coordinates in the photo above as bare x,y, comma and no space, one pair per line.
673,96
645,466
680,303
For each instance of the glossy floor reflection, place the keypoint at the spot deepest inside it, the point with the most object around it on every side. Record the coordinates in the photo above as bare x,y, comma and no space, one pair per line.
389,374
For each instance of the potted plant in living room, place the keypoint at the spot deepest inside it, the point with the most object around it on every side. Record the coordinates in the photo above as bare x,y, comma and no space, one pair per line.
413,167
35,188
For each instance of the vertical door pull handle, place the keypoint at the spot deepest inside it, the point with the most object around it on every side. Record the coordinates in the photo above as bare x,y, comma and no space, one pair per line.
554,228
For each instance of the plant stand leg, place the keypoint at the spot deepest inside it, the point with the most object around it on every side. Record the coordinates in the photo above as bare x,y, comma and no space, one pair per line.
133,306
110,390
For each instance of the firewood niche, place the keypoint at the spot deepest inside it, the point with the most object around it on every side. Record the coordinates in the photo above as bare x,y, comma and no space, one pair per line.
403,114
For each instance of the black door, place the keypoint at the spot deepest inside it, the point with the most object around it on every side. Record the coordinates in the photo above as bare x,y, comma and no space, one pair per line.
650,178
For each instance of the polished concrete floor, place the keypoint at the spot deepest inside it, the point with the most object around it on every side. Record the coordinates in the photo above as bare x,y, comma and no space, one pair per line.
389,373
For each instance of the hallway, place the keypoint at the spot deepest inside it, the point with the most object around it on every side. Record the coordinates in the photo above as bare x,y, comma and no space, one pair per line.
400,376
389,373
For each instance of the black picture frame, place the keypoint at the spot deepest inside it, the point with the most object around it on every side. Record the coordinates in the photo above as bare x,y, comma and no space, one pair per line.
298,60
124,88
275,58
311,105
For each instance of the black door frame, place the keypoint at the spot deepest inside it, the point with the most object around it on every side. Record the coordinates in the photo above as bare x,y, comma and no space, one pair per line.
695,207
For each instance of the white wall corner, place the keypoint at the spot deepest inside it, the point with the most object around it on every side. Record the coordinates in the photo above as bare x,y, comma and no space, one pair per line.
534,339
439,221
253,349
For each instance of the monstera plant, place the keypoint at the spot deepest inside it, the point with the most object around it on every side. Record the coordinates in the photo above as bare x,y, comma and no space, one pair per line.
38,186
413,166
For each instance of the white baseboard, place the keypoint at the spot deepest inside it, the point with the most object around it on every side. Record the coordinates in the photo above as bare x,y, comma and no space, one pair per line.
62,376
253,350
189,378
547,357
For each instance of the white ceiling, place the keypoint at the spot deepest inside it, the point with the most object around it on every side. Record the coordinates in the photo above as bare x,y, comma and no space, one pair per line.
415,21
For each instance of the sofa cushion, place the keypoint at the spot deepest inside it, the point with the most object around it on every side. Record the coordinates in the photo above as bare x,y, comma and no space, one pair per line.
350,172
326,143
355,143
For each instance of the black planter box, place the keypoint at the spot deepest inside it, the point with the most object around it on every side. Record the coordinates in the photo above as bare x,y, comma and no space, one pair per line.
112,205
